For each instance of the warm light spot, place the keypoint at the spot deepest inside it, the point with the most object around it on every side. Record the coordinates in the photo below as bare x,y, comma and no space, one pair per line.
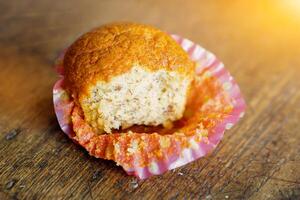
290,7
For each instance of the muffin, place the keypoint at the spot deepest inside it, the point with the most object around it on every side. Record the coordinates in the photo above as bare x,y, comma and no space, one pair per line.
126,74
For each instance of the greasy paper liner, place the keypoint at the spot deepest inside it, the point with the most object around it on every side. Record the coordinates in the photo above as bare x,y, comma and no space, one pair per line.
144,154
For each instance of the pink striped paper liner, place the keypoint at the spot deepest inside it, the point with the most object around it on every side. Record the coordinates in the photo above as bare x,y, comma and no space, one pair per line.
206,61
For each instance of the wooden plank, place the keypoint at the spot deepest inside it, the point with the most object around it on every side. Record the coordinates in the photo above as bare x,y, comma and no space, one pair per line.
258,159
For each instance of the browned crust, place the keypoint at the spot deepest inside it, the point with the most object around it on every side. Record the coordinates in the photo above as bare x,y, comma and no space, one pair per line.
113,49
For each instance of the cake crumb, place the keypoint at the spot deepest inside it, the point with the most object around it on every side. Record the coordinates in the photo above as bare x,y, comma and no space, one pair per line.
180,173
10,184
134,184
12,134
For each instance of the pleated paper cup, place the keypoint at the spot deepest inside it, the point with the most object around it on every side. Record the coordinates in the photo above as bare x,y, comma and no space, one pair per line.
216,104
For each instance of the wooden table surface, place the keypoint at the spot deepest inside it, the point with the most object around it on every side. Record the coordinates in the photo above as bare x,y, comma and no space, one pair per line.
259,42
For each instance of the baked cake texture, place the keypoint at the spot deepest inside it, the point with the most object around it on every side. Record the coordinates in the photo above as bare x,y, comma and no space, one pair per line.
125,74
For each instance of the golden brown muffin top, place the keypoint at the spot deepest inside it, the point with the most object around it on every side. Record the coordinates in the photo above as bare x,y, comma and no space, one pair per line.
113,49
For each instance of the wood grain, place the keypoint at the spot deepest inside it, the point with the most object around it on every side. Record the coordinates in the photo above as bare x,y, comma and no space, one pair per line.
259,42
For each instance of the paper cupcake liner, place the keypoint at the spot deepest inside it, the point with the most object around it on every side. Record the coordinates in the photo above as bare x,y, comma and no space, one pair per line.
220,106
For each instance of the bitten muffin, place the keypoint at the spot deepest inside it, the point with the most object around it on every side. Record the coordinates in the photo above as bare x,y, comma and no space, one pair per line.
125,74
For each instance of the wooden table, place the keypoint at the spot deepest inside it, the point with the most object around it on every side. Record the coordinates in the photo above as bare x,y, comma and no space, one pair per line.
259,42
